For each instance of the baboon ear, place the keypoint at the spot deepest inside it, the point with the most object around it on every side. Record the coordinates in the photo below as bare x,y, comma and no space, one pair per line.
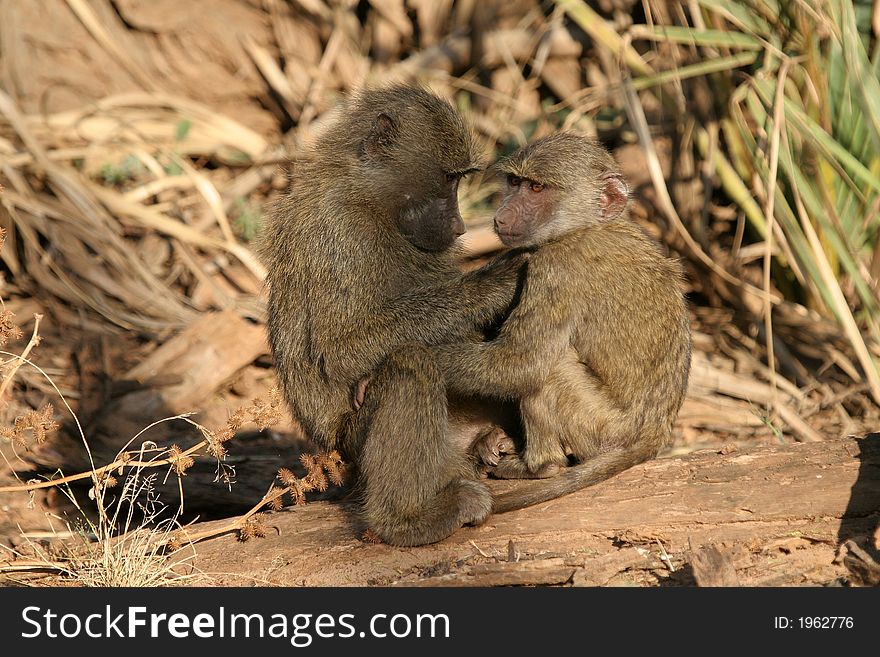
382,134
615,195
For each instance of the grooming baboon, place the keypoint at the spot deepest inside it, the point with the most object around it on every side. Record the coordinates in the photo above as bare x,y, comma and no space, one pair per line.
361,278
597,351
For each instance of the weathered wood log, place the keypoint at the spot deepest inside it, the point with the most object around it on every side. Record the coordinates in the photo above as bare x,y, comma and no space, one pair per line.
178,377
775,516
202,357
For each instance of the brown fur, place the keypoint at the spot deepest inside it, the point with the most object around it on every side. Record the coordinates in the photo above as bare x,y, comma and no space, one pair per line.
361,278
598,349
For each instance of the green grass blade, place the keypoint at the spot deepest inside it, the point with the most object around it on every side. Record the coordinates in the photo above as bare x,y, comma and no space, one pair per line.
692,36
695,70
825,143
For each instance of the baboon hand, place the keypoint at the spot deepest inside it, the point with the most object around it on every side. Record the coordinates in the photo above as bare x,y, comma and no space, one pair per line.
507,265
489,447
360,391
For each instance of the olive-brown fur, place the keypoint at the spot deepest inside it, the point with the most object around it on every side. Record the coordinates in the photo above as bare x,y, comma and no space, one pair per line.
361,277
597,351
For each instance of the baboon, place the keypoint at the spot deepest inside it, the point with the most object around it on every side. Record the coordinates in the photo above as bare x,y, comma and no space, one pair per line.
597,351
362,279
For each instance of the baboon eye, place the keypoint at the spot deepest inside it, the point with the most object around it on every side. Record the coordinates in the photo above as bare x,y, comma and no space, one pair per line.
514,181
536,187
452,177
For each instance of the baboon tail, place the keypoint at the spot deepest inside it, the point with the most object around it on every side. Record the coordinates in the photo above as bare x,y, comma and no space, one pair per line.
597,469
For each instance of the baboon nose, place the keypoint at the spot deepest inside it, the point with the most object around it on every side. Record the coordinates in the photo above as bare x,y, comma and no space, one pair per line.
458,227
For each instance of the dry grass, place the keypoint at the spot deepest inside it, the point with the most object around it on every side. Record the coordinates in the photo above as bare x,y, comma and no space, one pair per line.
166,187
125,535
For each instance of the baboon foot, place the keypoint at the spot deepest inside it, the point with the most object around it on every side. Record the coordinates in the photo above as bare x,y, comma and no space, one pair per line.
489,447
474,502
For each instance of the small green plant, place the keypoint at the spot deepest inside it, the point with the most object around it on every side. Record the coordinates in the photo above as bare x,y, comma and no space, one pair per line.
767,421
248,219
181,130
126,171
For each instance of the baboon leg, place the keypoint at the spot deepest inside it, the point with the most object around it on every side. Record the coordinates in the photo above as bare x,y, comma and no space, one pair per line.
565,418
542,455
418,486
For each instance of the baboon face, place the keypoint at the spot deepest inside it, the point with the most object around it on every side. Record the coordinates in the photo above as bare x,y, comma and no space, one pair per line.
556,185
415,151
526,207
433,221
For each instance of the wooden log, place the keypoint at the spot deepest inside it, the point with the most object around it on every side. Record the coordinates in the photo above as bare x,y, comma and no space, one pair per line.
178,377
538,572
184,372
776,515
204,355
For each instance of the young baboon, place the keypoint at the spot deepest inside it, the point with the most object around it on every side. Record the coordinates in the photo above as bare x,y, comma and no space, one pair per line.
597,351
361,278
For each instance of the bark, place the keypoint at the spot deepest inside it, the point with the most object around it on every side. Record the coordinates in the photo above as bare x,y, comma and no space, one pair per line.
762,516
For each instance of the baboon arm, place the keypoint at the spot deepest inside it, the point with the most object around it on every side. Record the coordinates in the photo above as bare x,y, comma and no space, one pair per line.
445,312
517,362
